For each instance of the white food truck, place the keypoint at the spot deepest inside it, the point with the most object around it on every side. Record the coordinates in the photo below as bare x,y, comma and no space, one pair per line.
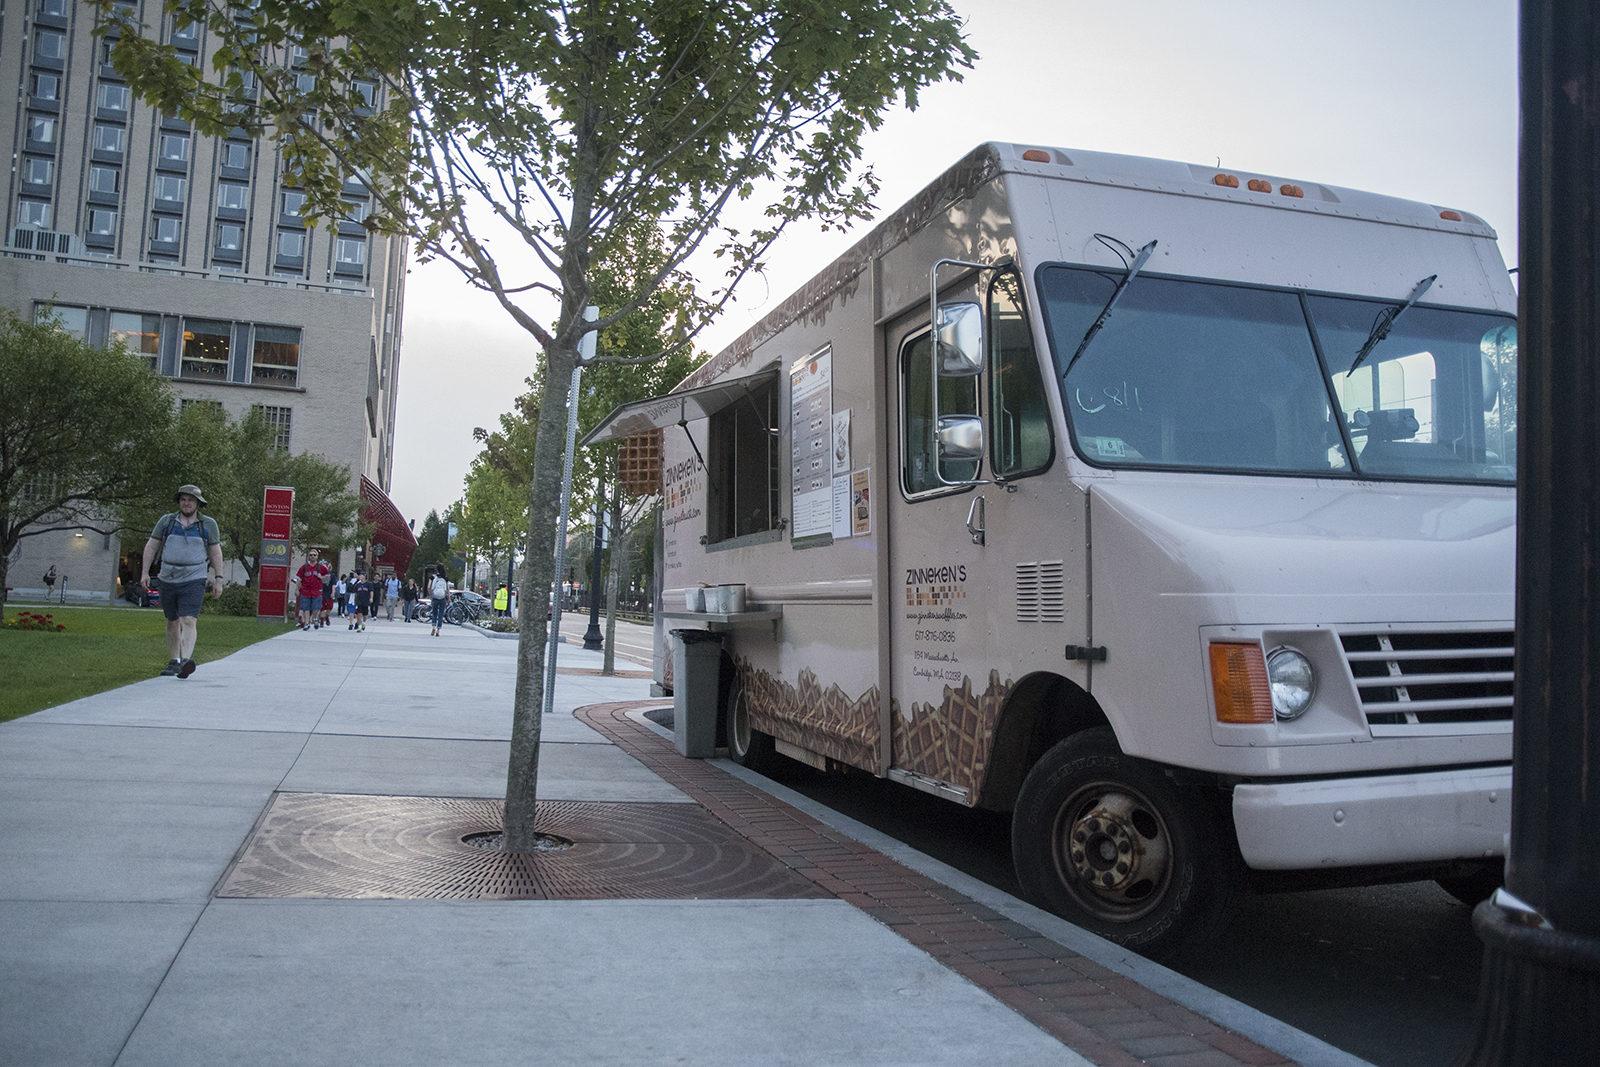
1167,507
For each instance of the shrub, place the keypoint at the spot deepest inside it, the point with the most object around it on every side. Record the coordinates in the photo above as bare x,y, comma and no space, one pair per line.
33,621
235,600
500,626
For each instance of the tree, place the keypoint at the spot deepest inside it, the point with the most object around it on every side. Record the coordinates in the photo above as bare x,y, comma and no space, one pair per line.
494,511
564,124
84,433
432,544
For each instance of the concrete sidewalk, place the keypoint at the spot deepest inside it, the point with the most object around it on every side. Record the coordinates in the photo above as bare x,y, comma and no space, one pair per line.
121,814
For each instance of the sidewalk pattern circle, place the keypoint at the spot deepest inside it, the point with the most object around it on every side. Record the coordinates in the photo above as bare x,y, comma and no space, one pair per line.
325,845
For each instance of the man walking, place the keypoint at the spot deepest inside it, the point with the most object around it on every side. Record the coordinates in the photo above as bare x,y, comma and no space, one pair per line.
188,541
391,590
310,578
361,601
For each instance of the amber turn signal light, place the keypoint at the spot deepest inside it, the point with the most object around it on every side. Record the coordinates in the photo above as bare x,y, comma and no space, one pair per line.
1239,683
1227,181
1036,155
1291,190
1259,186
1450,216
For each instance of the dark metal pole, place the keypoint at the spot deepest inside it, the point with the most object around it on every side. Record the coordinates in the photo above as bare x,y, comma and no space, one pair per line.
593,640
511,563
1540,998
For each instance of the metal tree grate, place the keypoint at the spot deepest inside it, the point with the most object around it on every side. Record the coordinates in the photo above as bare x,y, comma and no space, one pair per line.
322,845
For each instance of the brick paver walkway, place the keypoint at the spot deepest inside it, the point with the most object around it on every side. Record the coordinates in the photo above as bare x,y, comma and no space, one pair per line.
1096,1012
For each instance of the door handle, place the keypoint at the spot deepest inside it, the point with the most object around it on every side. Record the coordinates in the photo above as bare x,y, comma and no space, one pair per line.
975,521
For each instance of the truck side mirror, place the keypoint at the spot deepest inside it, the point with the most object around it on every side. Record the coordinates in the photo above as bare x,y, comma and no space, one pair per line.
1491,383
959,339
960,439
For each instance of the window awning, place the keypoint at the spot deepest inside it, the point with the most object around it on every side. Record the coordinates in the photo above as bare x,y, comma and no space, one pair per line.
642,416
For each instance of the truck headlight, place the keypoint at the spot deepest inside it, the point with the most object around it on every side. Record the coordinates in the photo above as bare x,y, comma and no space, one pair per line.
1293,682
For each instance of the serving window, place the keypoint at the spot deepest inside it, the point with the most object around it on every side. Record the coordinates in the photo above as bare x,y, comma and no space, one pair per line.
742,486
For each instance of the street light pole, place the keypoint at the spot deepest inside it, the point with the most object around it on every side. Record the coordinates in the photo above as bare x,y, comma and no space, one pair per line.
1539,1001
592,640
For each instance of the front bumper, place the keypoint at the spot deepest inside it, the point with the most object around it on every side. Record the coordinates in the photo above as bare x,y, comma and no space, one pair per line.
1354,822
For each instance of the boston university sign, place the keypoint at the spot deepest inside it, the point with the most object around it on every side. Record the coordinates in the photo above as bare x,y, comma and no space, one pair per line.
272,574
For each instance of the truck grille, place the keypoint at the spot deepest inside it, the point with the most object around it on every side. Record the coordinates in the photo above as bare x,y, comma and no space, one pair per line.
1416,682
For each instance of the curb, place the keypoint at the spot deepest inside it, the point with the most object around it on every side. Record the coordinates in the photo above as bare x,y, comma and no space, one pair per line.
1225,1011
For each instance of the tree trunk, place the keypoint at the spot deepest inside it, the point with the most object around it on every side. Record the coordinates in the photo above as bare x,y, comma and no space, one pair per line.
5,569
538,570
619,553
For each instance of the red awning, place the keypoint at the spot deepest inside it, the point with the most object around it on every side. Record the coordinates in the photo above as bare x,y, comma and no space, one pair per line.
390,531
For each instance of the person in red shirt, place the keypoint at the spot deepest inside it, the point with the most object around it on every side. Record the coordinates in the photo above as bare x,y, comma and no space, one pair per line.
311,578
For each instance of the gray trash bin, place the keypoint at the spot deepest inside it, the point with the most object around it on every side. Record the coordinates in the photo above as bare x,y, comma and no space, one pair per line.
696,666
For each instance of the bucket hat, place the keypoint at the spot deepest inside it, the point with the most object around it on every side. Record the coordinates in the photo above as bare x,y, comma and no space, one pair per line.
189,490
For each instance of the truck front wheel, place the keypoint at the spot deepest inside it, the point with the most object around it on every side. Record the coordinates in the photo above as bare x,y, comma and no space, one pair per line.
1118,847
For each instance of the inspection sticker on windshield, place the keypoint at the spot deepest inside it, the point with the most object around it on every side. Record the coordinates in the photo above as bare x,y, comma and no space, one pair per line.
1113,447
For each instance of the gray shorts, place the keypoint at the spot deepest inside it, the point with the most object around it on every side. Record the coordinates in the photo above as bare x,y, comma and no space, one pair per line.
184,598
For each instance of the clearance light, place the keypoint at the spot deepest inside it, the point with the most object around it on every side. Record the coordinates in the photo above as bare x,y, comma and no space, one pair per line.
1259,186
1291,190
1450,216
1036,155
1227,181
1239,683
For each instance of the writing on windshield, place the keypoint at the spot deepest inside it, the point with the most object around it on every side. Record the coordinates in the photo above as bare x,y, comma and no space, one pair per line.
1210,376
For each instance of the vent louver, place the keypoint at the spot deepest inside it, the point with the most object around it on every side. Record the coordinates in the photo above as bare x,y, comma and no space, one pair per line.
1041,591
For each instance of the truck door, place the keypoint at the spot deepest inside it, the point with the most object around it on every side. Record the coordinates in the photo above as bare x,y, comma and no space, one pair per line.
986,581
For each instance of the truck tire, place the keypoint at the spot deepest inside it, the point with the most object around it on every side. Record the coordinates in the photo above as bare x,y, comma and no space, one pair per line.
747,746
1119,847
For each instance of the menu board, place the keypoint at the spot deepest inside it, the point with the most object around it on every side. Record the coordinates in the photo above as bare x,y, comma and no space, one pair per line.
811,441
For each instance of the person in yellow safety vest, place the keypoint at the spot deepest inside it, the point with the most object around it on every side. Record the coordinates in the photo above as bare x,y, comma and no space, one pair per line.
502,599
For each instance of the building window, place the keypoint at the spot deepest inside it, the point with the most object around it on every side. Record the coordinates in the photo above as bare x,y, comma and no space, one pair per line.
44,86
305,83
170,188
232,195
139,334
298,54
33,213
41,129
209,409
291,244
294,203
104,180
164,229
279,419
276,359
102,222
37,170
921,469
58,8
206,344
113,97
350,252
186,33
235,155
356,211
175,147
230,237
367,91
74,320
742,479
108,138
50,44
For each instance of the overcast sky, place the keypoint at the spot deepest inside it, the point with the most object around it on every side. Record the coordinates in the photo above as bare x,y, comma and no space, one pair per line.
1413,98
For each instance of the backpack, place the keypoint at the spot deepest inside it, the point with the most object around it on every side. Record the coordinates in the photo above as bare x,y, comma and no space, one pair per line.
440,588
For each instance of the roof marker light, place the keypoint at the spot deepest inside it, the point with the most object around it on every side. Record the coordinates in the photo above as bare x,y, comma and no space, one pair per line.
1450,216
1036,155
1291,190
1259,186
1227,181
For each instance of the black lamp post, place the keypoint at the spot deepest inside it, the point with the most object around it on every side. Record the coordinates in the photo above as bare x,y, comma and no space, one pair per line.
1540,997
593,641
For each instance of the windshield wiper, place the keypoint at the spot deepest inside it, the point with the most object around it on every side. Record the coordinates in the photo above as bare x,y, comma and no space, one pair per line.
1386,319
1139,260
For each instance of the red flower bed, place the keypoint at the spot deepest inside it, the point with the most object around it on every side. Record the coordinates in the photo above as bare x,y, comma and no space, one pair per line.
30,620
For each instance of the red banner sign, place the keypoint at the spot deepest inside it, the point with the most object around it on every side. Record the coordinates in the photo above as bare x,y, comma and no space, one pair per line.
277,528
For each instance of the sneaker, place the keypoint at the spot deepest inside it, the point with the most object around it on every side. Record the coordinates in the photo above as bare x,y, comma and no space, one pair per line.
186,668
303,626
352,626
170,669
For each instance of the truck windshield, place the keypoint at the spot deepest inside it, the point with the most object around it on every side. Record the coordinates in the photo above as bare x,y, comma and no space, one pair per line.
1210,376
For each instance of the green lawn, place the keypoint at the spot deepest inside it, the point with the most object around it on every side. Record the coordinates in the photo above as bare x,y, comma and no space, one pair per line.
101,649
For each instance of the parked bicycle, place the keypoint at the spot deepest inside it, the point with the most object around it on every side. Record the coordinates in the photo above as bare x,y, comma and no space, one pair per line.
465,607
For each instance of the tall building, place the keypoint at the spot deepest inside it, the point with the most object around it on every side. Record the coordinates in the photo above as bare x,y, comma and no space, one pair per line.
191,249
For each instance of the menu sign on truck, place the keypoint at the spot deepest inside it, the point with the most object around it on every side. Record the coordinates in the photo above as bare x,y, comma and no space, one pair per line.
811,458
277,529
